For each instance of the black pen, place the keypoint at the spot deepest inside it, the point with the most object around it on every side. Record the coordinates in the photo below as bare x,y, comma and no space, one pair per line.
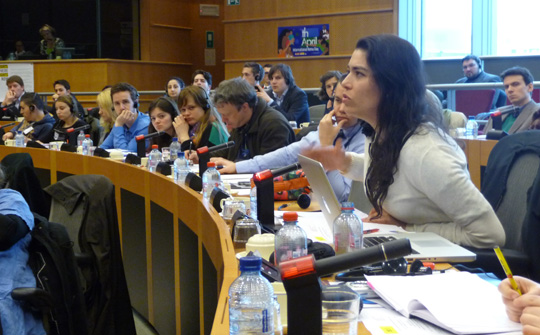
189,152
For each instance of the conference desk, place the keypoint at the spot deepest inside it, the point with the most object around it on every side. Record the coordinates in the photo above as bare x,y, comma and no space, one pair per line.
178,255
477,152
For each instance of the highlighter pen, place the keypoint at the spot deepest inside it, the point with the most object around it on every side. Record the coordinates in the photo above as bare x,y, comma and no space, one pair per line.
506,269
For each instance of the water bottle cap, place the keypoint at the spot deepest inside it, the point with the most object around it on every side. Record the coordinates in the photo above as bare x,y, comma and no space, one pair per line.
181,155
154,146
471,117
250,263
211,164
175,139
87,135
290,216
347,206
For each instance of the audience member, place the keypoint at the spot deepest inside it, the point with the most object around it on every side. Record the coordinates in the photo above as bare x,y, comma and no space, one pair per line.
285,96
106,112
20,51
67,118
37,122
16,222
346,127
130,122
472,69
252,73
202,79
257,128
174,86
326,93
409,161
63,88
518,84
265,81
10,107
162,112
522,308
198,124
49,43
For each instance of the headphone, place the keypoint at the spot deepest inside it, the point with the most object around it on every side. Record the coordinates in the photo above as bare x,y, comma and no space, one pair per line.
259,76
207,99
136,102
32,108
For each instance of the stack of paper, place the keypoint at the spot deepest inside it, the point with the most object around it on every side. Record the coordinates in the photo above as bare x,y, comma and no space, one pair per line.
460,302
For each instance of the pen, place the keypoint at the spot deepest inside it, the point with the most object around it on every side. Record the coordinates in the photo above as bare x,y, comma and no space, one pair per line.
371,231
189,152
506,269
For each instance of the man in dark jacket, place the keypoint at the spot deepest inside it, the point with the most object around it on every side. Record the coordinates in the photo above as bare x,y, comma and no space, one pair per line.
284,96
257,128
10,107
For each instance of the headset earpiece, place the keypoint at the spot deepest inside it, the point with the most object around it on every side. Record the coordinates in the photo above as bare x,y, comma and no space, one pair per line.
207,99
32,108
136,104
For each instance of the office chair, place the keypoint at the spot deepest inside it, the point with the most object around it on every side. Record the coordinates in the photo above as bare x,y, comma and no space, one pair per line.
316,113
473,102
511,184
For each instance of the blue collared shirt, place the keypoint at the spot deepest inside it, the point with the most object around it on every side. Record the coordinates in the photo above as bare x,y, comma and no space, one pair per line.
124,137
279,99
354,142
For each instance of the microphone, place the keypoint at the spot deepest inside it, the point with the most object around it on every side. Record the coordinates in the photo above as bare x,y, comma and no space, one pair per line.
194,182
502,111
70,130
205,150
263,175
144,137
7,125
304,200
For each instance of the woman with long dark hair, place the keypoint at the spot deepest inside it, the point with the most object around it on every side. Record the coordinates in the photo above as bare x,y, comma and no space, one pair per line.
162,112
415,175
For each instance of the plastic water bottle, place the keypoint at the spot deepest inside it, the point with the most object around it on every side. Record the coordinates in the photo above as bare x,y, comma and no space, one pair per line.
19,139
291,240
251,300
471,128
80,138
154,158
210,179
86,144
348,230
175,148
181,168
253,202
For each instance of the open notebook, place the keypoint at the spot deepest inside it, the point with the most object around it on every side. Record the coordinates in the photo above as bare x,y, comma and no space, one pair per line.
459,302
426,246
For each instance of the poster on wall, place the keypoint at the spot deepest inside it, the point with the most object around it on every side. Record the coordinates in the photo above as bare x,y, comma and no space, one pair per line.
25,70
302,41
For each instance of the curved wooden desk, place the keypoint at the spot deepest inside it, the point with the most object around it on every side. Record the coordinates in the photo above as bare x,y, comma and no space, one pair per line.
178,254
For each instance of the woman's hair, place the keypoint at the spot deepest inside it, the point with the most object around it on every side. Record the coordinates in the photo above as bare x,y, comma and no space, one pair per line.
104,101
68,101
535,123
322,95
398,73
49,28
167,105
201,99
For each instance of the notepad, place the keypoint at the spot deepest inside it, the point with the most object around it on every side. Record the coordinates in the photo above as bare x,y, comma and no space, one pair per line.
459,302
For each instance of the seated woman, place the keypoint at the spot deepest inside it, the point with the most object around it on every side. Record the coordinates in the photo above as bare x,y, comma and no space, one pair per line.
415,175
50,43
67,118
199,124
328,81
174,86
16,221
162,112
106,112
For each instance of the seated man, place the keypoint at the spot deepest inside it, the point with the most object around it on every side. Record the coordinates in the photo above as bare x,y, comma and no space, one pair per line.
518,84
472,69
10,107
16,221
130,121
202,79
37,123
62,88
347,128
257,129
252,73
285,96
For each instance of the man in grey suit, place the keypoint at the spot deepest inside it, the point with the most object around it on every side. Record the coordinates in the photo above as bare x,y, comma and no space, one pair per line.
518,85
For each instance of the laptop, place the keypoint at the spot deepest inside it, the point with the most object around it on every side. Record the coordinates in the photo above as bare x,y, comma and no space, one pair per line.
426,246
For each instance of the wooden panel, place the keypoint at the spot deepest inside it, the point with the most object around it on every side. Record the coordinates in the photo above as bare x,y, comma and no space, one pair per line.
477,152
281,8
166,45
90,75
344,33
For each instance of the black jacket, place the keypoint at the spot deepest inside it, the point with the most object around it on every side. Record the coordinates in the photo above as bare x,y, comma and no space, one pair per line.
266,131
294,106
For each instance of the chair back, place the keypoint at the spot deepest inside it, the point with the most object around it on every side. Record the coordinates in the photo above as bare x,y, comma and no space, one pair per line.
358,196
316,113
473,102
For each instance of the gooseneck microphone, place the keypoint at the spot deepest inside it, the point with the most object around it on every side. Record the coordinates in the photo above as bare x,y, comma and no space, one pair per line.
263,175
147,136
204,155
71,130
7,125
503,110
